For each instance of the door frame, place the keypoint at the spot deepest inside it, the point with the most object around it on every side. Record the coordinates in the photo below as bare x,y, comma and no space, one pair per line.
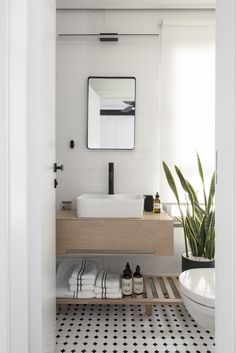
4,240
226,176
22,60
13,177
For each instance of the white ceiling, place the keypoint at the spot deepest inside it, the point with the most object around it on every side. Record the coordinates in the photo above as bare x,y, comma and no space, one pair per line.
135,4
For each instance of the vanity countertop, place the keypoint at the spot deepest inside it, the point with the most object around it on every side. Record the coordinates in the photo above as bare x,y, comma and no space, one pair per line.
147,216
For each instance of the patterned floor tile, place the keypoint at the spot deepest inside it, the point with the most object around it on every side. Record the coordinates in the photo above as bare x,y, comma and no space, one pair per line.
126,329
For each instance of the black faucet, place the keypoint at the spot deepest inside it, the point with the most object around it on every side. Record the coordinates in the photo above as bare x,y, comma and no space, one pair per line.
111,178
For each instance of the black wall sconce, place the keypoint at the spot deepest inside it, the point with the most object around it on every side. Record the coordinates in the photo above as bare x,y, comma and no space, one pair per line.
108,37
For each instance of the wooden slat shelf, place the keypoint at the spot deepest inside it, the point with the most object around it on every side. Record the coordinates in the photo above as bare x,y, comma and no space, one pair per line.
157,290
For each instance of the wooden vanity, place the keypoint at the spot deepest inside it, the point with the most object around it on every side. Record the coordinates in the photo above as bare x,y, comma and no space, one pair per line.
151,235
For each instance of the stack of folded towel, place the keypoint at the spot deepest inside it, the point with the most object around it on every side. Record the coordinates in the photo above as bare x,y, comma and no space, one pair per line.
108,285
82,280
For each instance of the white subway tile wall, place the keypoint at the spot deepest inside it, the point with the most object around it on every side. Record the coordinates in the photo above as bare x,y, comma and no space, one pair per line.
80,57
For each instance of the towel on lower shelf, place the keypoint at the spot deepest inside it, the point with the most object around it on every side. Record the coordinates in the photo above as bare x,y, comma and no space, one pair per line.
83,282
85,287
108,290
83,277
108,285
85,270
64,269
117,295
83,294
108,280
63,291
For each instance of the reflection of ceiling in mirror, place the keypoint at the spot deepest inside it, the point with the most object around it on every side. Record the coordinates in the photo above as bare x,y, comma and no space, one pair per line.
112,83
117,95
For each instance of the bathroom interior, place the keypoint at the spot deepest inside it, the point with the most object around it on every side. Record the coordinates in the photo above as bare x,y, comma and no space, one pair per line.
135,97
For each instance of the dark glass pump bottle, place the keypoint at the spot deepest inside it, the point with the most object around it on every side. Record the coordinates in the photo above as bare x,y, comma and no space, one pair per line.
137,281
127,285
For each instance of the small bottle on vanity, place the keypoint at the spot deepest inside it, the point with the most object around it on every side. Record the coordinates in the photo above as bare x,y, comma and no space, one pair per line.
157,204
127,287
138,281
148,203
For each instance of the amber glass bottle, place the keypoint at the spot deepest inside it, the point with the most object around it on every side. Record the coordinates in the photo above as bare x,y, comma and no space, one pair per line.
137,281
127,287
157,204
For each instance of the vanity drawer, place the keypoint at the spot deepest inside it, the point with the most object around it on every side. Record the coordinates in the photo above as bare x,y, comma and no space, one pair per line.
150,235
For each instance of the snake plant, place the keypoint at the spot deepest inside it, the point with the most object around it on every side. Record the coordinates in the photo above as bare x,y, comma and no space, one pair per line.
197,220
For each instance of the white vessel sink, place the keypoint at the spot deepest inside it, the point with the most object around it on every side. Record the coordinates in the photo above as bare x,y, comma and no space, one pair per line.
109,206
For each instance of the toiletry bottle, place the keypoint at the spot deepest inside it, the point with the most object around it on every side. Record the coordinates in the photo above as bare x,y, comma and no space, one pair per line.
138,281
127,281
157,204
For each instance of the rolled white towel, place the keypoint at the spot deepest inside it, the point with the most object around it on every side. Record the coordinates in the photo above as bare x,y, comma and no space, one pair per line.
117,295
82,288
87,282
108,280
85,271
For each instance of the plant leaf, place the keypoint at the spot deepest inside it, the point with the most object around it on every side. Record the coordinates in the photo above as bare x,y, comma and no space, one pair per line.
200,171
193,192
185,186
171,181
191,238
178,219
202,233
209,250
211,193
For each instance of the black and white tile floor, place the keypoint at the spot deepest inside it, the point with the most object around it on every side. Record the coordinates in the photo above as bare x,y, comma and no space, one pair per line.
126,329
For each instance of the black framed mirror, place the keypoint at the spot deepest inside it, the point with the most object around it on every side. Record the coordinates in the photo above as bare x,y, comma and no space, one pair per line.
111,113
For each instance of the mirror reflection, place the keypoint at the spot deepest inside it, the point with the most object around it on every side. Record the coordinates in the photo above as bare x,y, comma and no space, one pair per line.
111,113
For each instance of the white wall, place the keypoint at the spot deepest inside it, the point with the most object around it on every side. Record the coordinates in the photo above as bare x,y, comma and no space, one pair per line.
77,58
85,170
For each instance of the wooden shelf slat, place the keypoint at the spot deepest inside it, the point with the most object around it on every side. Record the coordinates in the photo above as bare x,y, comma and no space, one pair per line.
176,282
168,288
158,288
147,287
176,285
